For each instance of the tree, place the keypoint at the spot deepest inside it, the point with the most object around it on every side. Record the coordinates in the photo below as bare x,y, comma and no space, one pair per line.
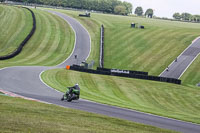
186,16
129,7
139,11
2,0
197,18
121,10
107,6
177,16
149,13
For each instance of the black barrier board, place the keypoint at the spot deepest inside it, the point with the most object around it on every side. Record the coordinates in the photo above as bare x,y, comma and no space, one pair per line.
115,72
122,71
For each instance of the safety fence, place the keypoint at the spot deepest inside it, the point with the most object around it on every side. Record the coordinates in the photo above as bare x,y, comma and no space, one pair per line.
19,49
122,71
101,58
125,73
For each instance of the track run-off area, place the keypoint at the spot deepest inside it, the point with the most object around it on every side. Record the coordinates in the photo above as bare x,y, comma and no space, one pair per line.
26,81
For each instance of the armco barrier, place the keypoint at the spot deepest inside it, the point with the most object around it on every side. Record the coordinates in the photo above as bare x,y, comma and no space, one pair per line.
131,72
101,58
19,49
105,71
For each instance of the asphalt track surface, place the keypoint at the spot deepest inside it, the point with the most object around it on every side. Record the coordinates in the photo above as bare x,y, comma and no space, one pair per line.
25,81
184,60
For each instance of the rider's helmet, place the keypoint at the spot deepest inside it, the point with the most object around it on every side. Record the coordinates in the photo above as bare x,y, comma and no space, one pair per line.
76,84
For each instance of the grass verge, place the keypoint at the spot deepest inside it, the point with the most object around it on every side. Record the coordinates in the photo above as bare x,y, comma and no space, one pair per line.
174,101
192,75
18,116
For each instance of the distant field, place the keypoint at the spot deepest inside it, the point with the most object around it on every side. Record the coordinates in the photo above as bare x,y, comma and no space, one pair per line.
51,43
18,116
15,25
174,101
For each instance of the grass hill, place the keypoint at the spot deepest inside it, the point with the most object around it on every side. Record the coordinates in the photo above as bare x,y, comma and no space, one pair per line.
151,49
50,45
15,25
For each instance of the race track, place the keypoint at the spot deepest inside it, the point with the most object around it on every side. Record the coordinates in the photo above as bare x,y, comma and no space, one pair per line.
183,61
25,81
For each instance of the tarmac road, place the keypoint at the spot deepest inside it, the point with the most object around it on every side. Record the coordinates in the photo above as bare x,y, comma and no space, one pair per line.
179,66
25,81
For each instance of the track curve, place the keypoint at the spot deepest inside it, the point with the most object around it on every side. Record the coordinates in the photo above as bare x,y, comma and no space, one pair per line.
25,81
177,68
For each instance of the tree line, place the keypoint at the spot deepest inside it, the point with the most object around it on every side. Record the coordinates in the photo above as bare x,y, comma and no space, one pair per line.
139,12
106,6
186,17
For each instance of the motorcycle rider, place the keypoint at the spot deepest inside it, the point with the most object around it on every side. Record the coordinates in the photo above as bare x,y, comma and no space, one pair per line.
75,91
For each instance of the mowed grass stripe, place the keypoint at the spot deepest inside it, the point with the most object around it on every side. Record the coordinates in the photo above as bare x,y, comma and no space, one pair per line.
133,41
140,48
13,28
175,101
117,27
179,34
51,43
15,116
18,37
1,11
192,76
143,44
33,44
44,45
151,57
63,45
6,15
114,53
12,34
6,26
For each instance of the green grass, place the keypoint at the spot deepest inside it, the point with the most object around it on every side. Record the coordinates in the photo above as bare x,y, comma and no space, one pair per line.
192,75
151,49
51,43
174,101
15,25
18,116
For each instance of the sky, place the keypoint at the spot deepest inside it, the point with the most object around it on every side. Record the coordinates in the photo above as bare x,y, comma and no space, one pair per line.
166,8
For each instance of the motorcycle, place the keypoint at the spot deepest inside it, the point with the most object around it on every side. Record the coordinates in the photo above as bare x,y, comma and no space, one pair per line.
68,96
